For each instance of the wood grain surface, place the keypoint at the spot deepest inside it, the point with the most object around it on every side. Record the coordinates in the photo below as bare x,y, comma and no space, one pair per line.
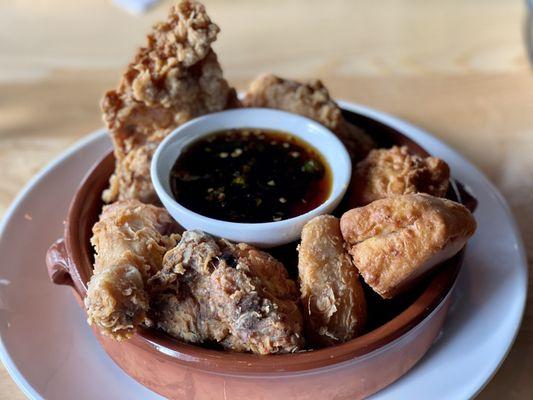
456,68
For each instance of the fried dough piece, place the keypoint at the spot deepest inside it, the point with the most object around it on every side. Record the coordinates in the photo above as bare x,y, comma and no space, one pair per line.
332,296
388,172
395,240
130,240
175,78
310,99
229,293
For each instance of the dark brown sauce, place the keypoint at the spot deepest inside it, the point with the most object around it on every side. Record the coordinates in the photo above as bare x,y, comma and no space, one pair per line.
250,175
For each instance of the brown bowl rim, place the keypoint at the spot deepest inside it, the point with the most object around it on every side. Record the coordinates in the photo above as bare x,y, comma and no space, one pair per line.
438,287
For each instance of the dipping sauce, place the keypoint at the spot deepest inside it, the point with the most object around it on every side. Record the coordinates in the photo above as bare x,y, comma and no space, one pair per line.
250,175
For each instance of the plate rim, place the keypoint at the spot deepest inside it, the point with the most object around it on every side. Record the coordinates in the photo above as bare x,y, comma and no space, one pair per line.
400,124
13,371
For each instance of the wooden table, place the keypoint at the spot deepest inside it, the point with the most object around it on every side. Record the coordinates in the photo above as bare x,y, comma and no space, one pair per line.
456,68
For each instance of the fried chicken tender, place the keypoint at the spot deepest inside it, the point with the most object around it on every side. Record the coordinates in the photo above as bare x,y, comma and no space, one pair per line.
332,296
394,241
388,172
211,290
310,99
130,240
175,78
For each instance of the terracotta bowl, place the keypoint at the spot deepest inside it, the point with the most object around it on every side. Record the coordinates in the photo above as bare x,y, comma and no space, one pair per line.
399,334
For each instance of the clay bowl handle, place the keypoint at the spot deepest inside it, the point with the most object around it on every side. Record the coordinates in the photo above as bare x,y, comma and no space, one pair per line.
57,264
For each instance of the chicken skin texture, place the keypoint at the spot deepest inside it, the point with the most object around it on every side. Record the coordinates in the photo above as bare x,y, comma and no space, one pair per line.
394,241
388,172
131,179
175,78
331,294
211,290
312,100
130,240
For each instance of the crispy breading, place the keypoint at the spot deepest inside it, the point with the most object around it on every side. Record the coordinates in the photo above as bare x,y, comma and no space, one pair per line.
131,179
181,291
394,241
310,99
228,293
130,240
259,301
388,172
332,296
175,78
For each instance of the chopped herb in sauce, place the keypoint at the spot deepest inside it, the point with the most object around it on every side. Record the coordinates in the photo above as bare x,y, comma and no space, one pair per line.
250,175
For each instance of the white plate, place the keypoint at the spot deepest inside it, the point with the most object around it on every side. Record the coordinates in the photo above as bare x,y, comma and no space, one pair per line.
51,353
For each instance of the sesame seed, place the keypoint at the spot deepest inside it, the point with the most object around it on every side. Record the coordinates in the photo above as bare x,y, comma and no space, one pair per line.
236,153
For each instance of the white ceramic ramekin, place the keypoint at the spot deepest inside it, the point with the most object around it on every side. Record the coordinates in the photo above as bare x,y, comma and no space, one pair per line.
267,234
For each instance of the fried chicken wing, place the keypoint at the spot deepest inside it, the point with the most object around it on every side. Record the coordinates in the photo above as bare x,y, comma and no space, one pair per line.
332,296
228,293
388,172
395,240
176,77
130,240
310,99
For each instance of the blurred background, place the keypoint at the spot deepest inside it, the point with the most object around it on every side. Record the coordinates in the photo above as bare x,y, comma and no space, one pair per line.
458,69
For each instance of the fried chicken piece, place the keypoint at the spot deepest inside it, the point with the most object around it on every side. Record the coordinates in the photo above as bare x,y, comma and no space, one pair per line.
310,99
253,292
182,315
213,290
388,172
394,241
332,296
175,78
130,240
131,179
181,291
